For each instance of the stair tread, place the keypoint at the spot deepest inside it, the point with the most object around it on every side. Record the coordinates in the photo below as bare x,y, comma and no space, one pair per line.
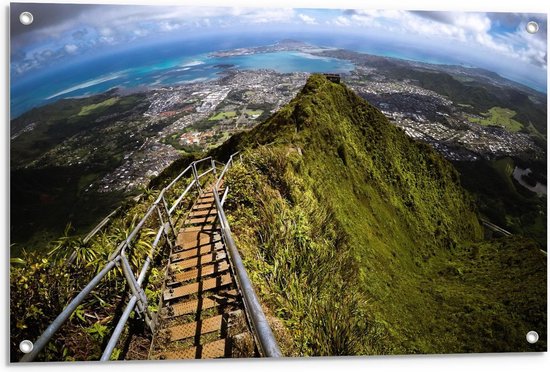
204,200
197,261
193,329
203,212
210,350
201,220
198,305
190,242
198,251
205,228
203,205
197,273
203,286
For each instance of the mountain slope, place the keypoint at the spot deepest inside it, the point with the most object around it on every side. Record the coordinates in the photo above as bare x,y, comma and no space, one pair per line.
362,240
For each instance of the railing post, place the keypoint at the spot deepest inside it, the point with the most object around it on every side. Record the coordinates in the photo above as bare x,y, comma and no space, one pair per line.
118,329
213,166
224,195
169,218
137,291
163,227
196,175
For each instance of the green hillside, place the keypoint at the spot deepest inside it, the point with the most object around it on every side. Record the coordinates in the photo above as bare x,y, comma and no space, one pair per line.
361,240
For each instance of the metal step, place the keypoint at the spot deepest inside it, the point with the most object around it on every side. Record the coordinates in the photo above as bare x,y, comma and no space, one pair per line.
206,285
219,267
197,261
205,228
205,200
192,239
203,212
202,250
202,206
198,305
205,239
211,350
194,329
201,220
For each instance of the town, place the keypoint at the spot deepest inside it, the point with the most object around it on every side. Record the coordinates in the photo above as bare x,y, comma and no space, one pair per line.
203,115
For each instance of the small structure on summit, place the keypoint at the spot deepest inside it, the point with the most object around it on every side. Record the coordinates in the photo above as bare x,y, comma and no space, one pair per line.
335,78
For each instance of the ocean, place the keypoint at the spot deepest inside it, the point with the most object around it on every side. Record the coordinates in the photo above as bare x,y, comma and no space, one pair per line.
184,61
155,66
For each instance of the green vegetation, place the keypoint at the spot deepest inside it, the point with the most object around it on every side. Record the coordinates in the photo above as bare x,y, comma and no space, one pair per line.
501,117
479,96
539,139
362,241
504,201
223,115
174,141
201,126
43,200
253,112
53,165
61,120
101,106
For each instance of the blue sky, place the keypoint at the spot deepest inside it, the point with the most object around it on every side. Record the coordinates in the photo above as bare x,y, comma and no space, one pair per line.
65,33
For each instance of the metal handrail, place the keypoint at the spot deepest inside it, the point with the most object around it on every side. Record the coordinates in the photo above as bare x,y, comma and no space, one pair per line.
261,329
119,258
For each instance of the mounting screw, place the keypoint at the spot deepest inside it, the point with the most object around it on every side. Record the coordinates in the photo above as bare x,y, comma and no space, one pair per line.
532,337
26,18
532,27
26,346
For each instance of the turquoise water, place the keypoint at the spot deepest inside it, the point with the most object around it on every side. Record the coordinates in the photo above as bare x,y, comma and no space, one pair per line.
289,62
90,78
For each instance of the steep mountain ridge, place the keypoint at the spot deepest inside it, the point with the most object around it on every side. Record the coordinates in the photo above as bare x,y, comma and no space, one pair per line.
354,144
362,240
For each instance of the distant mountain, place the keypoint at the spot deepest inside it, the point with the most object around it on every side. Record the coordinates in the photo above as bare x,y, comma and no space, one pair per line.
477,88
362,241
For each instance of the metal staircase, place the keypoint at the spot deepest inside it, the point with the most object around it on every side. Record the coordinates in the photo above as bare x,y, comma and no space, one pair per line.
208,307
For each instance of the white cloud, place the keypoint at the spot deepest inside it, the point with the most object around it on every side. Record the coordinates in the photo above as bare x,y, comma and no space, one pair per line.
474,22
307,19
528,48
169,26
140,32
342,21
105,31
71,48
108,40
472,29
264,15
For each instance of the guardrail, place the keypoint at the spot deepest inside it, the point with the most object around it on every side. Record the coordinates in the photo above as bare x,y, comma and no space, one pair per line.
119,258
494,227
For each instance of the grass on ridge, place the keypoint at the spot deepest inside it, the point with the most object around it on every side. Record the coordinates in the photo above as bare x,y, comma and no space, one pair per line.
500,117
